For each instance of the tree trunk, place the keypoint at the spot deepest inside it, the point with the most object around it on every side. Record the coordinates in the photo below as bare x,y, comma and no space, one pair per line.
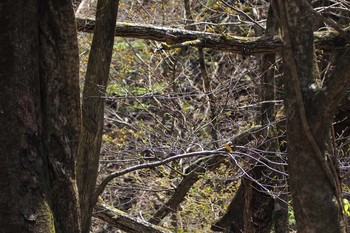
59,78
39,117
93,106
309,112
22,172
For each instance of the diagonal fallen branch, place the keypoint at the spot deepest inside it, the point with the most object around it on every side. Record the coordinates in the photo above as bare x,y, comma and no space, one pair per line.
175,37
125,222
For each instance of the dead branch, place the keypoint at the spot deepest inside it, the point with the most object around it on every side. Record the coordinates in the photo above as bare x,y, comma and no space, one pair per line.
125,222
193,175
176,37
248,135
106,180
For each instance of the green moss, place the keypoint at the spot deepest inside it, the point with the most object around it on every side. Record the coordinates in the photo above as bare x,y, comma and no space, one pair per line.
47,219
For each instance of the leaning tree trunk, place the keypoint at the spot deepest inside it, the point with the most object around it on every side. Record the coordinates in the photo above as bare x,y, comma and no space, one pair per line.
39,117
309,111
93,106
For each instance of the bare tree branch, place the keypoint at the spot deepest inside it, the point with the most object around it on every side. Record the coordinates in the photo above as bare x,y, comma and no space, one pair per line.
305,5
336,83
188,181
125,222
244,14
104,183
243,137
175,37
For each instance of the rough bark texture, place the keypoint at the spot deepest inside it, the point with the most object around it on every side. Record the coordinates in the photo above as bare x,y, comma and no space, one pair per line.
225,42
309,114
39,117
23,203
60,99
93,106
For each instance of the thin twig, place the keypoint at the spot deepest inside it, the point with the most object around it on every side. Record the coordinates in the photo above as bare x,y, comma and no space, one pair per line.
243,13
307,6
104,183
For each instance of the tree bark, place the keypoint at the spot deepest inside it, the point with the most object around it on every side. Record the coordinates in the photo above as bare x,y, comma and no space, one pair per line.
39,117
175,38
309,113
93,106
22,172
60,99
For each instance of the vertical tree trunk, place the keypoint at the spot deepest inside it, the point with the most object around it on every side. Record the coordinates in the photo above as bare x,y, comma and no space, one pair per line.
39,117
93,106
23,203
60,99
309,112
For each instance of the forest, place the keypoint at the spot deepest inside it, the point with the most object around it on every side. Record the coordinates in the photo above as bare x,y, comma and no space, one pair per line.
159,116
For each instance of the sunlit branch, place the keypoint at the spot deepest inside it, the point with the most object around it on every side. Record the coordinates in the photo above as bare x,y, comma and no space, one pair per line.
176,37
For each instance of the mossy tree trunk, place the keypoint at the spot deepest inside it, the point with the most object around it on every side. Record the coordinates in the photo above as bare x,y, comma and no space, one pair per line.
39,117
